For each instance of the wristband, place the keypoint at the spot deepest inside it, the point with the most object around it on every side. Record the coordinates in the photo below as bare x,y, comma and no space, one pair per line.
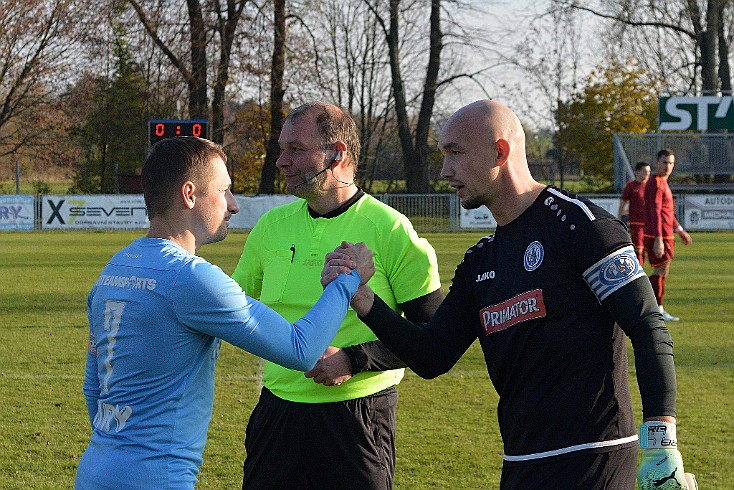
357,358
679,229
658,435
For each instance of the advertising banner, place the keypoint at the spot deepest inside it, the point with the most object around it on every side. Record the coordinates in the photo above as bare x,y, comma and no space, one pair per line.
480,217
127,211
610,204
252,207
119,211
700,113
709,212
16,212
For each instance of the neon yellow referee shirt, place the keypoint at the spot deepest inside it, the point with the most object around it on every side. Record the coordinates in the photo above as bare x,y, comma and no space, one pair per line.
281,266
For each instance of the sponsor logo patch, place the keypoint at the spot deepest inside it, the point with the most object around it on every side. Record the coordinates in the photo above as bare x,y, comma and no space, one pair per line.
523,307
92,344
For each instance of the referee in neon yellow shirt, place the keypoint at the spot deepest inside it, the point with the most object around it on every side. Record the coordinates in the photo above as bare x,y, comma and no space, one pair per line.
333,427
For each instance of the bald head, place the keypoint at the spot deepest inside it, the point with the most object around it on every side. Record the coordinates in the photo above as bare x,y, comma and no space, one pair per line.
486,123
483,145
491,119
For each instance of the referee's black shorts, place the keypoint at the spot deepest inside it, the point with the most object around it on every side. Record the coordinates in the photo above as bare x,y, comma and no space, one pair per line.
340,445
613,470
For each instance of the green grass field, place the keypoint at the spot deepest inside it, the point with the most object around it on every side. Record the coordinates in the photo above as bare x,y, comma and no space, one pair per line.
447,428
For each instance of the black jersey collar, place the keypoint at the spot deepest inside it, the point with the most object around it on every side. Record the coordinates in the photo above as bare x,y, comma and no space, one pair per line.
341,209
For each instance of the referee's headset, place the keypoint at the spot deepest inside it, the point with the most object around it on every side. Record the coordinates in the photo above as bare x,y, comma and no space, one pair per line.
310,177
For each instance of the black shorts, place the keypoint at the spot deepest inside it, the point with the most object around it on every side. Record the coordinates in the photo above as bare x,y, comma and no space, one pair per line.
584,470
349,444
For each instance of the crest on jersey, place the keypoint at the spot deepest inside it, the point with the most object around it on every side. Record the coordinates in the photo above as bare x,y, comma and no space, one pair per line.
533,256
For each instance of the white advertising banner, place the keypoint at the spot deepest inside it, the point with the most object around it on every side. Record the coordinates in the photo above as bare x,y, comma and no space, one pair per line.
709,212
102,211
16,212
128,211
610,204
252,207
480,217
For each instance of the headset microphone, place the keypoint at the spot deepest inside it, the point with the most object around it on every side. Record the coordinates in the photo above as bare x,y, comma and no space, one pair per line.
310,176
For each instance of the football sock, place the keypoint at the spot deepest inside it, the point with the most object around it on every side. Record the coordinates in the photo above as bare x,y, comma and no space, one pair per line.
640,255
658,285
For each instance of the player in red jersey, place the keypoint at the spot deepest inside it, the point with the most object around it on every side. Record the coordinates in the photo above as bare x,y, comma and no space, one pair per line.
660,224
633,198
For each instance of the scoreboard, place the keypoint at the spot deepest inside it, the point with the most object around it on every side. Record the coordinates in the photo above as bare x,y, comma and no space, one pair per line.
159,129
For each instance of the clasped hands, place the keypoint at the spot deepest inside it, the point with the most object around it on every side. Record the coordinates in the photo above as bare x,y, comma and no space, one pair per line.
345,258
334,366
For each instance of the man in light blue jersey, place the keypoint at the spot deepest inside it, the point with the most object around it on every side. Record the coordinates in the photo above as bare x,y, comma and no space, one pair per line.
157,314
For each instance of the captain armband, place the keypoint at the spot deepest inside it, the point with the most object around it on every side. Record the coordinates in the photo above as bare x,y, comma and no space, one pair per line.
617,269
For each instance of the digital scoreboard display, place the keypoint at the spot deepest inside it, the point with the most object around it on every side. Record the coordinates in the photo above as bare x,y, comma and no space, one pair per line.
159,129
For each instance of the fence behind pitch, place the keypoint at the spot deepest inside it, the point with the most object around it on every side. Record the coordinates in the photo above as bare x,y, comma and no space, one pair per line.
428,212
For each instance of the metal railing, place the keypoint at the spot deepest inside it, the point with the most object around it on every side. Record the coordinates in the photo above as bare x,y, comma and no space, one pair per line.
427,212
702,154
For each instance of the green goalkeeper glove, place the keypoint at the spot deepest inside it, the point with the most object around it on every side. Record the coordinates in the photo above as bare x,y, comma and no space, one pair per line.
661,465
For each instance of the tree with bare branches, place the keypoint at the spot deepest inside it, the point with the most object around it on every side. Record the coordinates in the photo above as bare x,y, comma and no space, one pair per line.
700,63
38,44
223,20
415,151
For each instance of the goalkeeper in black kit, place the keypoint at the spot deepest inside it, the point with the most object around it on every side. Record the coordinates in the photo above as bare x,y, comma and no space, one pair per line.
550,296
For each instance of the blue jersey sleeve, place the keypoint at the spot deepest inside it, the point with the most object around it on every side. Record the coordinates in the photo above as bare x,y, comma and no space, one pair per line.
209,301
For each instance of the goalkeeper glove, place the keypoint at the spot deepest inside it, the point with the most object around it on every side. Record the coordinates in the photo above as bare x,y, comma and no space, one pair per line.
661,465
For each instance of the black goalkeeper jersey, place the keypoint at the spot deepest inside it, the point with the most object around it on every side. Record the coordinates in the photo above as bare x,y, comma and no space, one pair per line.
555,356
548,296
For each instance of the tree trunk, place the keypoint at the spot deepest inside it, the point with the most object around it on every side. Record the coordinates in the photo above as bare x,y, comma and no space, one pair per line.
410,158
724,69
709,38
420,173
227,30
197,81
267,177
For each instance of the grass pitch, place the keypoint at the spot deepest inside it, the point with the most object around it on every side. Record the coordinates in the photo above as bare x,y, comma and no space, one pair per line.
447,428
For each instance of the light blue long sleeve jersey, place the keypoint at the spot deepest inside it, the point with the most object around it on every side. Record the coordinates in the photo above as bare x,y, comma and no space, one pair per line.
156,315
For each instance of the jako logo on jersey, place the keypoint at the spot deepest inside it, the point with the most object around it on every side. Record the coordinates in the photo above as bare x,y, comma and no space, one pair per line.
521,308
485,276
533,256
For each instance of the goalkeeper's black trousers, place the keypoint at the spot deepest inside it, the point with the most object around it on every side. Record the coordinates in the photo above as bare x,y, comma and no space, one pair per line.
583,470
